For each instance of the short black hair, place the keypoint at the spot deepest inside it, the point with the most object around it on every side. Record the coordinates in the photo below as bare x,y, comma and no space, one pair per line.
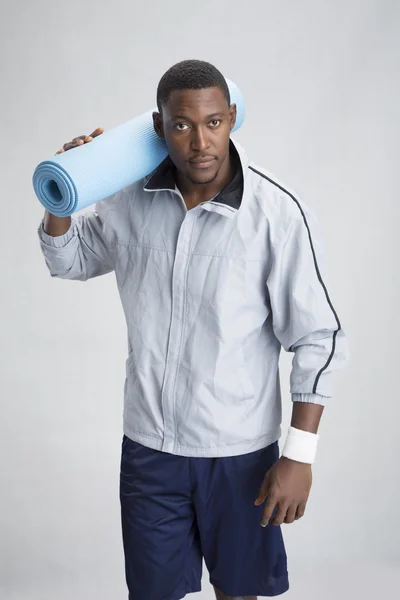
190,75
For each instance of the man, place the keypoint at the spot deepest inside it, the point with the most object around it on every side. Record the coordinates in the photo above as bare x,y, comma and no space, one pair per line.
218,265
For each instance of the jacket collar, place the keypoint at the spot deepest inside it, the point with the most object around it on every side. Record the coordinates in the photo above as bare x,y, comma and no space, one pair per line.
227,201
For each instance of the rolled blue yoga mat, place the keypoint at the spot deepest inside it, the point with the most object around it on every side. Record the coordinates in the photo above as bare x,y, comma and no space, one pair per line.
73,180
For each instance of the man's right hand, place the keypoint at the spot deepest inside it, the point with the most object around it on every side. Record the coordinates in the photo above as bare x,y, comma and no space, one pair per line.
81,139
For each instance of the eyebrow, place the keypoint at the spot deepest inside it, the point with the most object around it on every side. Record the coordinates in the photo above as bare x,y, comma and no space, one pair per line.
217,114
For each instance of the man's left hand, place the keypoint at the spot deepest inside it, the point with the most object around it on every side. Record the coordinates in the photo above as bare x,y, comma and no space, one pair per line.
286,486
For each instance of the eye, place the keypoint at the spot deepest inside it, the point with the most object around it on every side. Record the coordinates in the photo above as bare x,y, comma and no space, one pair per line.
214,123
180,126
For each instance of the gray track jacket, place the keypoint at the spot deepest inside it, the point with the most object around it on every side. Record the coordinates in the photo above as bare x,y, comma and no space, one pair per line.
210,295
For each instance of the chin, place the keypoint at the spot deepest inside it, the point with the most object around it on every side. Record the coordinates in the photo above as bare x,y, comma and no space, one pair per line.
202,178
203,181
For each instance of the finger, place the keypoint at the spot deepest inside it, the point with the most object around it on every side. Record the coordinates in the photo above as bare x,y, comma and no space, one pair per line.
70,145
280,515
60,151
97,132
262,494
301,509
268,511
88,138
291,514
79,137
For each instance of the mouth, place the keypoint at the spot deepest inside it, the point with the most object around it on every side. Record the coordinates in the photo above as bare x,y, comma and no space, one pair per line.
202,163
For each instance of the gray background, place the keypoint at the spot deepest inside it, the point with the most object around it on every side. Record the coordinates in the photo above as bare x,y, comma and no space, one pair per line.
321,84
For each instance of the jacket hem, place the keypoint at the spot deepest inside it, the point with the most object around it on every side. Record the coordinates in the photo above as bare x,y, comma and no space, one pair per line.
174,447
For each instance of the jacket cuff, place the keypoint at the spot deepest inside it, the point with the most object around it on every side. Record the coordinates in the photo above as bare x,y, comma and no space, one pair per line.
58,241
313,398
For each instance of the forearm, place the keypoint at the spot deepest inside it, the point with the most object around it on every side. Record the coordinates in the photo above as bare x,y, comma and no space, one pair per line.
306,416
56,226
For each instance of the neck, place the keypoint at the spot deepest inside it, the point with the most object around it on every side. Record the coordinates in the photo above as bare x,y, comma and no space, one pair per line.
196,193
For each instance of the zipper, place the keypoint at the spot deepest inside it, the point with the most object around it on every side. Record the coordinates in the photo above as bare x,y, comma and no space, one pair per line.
182,331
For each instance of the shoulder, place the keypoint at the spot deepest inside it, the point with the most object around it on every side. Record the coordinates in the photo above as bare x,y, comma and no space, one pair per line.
121,201
115,212
276,199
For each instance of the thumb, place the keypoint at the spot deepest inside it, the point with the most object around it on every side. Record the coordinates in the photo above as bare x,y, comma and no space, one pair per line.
263,493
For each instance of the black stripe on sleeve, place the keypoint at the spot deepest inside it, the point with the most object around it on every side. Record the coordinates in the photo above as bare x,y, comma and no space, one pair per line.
318,274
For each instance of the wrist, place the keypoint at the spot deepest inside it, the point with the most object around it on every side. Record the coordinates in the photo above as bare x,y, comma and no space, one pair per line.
300,446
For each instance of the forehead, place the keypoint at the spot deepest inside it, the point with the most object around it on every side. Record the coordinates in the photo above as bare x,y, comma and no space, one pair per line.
195,102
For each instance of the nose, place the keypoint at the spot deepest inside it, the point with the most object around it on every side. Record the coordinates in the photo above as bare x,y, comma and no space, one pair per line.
199,141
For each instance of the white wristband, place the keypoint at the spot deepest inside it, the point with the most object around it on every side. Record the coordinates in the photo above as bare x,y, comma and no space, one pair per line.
301,445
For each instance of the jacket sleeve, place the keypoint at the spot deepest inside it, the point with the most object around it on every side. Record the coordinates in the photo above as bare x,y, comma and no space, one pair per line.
86,250
304,319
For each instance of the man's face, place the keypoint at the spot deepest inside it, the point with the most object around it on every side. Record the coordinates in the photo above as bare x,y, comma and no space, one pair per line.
196,126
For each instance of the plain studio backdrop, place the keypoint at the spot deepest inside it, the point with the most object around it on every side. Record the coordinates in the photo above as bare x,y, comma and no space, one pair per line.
321,85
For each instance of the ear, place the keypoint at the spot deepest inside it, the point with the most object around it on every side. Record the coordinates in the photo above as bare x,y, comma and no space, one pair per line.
232,116
158,124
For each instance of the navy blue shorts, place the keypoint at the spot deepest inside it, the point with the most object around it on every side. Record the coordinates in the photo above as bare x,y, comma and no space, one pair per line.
175,510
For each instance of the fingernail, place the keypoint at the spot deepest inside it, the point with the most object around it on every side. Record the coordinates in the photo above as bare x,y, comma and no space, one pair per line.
264,524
